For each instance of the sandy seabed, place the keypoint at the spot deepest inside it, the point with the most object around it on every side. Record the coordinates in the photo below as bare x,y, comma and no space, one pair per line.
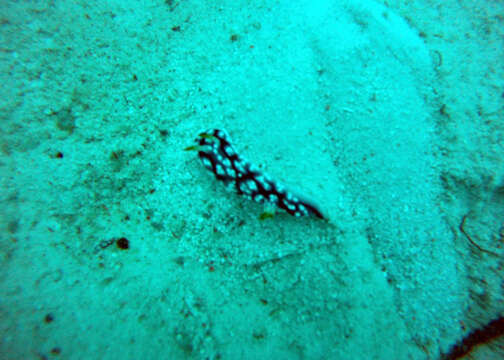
117,244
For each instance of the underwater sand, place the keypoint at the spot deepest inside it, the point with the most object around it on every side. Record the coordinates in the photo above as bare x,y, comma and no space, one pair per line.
388,114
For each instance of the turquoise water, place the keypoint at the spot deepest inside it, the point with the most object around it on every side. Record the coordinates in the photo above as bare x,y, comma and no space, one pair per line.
385,116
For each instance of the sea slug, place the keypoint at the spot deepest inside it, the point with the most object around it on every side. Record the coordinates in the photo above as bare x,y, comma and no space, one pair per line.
218,155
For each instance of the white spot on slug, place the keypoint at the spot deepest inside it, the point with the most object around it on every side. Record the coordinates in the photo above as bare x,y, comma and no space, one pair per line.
252,185
220,170
239,166
207,163
229,150
262,181
258,198
226,162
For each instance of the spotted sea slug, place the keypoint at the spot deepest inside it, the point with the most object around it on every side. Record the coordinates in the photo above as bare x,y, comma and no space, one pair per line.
218,155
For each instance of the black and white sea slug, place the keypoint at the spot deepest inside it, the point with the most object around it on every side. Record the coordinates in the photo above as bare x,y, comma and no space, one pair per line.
218,155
